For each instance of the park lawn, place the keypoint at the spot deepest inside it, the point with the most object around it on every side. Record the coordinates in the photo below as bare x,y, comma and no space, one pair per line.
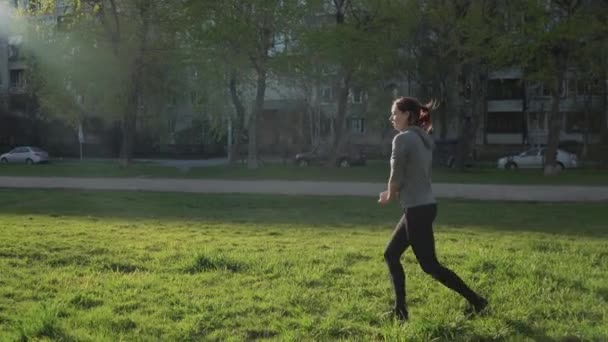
375,171
110,266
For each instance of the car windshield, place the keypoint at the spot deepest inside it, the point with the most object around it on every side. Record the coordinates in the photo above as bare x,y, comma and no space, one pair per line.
36,149
531,153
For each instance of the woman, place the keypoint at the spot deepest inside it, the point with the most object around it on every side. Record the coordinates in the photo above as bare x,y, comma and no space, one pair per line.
410,182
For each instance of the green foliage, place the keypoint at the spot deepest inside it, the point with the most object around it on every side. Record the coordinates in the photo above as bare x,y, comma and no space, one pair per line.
86,61
536,35
76,69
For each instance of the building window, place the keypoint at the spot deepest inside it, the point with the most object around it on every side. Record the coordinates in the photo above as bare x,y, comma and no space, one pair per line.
505,122
17,78
13,52
505,89
327,95
536,120
571,87
279,43
575,122
357,95
357,125
545,90
325,124
585,88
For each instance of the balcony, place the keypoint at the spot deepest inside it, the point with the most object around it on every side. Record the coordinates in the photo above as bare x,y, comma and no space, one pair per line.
506,105
16,64
17,89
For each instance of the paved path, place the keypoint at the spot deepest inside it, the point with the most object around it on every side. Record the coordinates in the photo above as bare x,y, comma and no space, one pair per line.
442,190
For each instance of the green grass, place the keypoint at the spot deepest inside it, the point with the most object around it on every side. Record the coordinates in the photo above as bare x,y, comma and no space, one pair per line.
376,171
111,266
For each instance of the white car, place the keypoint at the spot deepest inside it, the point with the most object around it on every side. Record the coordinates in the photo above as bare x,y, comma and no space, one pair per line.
25,154
535,158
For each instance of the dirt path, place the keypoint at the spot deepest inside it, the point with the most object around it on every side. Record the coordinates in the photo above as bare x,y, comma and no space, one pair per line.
442,190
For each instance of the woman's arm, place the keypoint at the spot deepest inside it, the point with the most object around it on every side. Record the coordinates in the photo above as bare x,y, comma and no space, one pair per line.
398,157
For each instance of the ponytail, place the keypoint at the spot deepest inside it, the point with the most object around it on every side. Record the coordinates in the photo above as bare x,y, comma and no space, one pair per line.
425,121
420,115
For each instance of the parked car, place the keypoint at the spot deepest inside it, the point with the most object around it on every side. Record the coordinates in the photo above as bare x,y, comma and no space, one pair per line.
25,154
320,154
535,158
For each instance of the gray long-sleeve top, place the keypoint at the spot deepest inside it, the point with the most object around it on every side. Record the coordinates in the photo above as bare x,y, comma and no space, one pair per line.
411,165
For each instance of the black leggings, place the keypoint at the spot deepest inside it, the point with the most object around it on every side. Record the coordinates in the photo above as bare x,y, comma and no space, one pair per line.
416,229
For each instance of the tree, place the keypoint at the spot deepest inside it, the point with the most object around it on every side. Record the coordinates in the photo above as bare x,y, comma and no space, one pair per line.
597,52
544,40
348,40
449,60
245,35
95,56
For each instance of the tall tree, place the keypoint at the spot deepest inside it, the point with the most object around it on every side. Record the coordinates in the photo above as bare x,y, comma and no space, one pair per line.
349,40
96,56
544,40
448,59
245,35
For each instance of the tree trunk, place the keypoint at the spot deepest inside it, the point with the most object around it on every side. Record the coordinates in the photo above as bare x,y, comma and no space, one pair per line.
129,126
587,125
455,107
443,112
483,118
132,104
311,110
555,126
478,107
311,123
252,159
343,88
604,108
237,124
338,141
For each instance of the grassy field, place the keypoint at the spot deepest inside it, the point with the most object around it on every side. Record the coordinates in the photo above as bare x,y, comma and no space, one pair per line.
376,171
103,266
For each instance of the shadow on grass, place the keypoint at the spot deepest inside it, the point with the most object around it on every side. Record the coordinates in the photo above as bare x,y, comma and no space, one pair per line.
520,331
586,219
529,331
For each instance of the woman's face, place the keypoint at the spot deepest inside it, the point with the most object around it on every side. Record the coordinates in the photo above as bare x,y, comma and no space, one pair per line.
399,118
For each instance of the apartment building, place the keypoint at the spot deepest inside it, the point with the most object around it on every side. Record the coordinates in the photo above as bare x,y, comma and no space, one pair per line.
518,110
13,80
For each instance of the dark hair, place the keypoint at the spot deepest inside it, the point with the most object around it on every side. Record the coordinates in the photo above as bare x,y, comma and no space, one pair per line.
419,114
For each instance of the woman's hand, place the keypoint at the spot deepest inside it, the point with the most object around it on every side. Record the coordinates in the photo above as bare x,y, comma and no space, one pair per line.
384,197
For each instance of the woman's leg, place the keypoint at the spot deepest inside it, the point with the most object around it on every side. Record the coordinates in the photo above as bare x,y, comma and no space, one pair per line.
420,231
392,255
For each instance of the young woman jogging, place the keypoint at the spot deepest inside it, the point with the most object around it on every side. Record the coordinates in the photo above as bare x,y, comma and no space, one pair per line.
410,183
